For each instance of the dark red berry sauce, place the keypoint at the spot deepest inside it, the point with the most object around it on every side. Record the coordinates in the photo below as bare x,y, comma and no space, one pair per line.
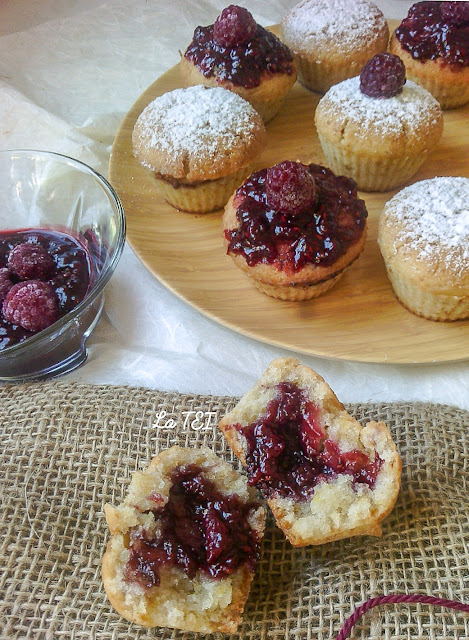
319,235
437,30
58,261
242,64
199,529
289,454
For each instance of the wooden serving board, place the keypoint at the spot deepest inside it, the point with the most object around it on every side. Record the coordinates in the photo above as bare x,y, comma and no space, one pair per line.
359,319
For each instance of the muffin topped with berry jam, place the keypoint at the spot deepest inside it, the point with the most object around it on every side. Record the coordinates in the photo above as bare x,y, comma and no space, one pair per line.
378,128
433,42
294,229
238,54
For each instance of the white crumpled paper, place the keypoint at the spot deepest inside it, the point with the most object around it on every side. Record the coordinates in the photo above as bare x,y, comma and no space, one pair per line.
68,74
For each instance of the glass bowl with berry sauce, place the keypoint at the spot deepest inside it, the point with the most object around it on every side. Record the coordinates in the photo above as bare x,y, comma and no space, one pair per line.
62,231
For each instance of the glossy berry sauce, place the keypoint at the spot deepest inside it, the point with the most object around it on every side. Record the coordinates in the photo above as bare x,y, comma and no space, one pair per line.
437,30
63,265
319,235
243,64
200,529
289,454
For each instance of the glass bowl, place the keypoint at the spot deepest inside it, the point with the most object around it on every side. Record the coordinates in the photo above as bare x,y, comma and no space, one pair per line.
49,191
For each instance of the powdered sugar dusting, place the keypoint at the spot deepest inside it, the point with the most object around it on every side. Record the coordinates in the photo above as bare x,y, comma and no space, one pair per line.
410,109
349,23
197,121
434,216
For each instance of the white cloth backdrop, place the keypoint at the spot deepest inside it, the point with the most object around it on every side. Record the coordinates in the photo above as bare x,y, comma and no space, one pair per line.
68,74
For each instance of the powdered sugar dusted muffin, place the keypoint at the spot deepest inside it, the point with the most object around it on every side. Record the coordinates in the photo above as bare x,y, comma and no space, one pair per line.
238,54
324,476
332,39
433,42
199,144
424,239
184,544
376,129
294,229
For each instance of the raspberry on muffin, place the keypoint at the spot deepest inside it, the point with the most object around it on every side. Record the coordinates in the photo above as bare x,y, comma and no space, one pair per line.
332,39
378,128
323,475
238,54
294,229
433,42
184,544
424,239
198,144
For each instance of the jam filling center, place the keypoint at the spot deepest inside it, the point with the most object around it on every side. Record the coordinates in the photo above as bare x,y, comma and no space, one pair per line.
437,30
289,454
198,529
319,235
243,64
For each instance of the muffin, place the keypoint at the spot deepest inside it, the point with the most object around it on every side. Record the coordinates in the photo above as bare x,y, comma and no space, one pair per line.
323,475
294,229
433,42
377,128
238,54
332,39
184,544
199,144
424,238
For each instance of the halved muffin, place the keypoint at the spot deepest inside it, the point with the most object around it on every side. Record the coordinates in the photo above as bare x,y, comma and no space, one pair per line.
323,475
184,544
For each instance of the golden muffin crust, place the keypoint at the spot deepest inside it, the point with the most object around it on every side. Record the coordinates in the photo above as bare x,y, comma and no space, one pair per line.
379,142
449,87
332,39
424,239
198,133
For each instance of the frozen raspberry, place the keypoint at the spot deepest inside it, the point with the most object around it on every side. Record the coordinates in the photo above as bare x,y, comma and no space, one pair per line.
5,283
383,76
233,26
456,13
30,261
290,187
31,305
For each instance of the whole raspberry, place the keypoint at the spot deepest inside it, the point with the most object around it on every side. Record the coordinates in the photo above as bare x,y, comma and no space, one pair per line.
30,261
32,305
233,26
5,283
383,76
456,13
290,187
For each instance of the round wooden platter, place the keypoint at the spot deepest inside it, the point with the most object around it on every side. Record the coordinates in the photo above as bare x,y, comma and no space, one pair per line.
359,319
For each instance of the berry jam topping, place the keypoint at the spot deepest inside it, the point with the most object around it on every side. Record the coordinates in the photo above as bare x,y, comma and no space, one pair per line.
234,26
290,188
238,50
383,76
43,276
318,235
289,454
198,529
31,305
437,30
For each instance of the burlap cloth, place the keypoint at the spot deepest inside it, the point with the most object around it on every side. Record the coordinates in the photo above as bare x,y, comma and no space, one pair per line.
69,448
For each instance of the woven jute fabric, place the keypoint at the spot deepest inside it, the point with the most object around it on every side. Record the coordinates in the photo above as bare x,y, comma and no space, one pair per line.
67,449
